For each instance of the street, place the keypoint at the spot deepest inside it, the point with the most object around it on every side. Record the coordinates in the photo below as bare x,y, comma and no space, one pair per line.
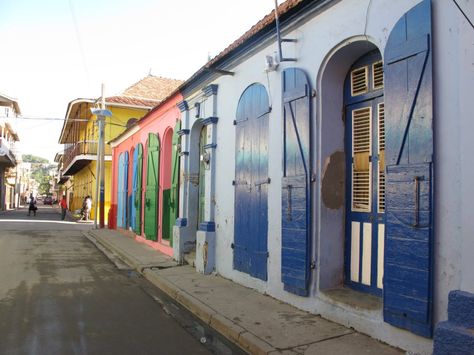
60,295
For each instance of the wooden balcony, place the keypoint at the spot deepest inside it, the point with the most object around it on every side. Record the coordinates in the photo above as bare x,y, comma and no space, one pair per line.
80,154
7,153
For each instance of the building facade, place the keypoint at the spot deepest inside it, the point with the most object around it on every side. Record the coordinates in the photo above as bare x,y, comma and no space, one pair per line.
318,167
80,137
145,164
9,194
323,161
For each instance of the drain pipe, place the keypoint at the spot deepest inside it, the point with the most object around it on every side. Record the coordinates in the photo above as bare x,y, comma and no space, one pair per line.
277,25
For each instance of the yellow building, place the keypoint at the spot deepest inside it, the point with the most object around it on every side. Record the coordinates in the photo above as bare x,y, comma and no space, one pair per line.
80,135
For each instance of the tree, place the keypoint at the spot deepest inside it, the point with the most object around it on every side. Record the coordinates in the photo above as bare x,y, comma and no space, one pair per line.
40,171
30,158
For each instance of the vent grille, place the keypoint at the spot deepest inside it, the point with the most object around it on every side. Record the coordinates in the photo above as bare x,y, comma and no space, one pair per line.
361,147
377,75
359,80
381,138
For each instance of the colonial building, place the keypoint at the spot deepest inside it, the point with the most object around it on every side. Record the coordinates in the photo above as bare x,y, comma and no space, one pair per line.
324,160
145,160
9,110
80,135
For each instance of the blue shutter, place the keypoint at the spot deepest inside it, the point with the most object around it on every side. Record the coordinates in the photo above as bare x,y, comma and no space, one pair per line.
122,189
408,271
251,183
296,209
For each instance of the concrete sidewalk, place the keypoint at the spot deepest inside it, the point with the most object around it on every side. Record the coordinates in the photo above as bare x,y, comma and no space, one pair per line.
259,324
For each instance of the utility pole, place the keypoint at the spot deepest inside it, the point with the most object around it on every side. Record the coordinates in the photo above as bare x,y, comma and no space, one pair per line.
102,160
100,171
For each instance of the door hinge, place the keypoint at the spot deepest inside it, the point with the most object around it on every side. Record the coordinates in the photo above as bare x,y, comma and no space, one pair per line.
232,246
312,265
235,123
313,177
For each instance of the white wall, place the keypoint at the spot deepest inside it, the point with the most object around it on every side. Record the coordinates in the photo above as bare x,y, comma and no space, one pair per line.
339,25
454,223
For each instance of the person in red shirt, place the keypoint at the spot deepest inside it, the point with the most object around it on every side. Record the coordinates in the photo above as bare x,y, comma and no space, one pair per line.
63,205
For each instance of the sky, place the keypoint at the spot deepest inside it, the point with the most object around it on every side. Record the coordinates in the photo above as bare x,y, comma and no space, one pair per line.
54,51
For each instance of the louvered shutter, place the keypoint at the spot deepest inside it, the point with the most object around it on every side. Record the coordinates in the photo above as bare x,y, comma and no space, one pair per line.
296,208
152,187
409,185
361,151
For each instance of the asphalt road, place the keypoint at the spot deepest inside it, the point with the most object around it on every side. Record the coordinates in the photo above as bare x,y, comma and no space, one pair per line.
60,295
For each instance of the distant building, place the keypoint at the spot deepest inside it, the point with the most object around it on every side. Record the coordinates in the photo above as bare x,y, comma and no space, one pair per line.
80,135
9,110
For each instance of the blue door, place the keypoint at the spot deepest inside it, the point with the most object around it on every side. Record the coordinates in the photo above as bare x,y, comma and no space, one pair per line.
365,175
136,206
408,280
251,183
122,190
296,207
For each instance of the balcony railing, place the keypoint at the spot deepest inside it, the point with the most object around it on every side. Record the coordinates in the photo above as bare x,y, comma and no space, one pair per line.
7,151
84,148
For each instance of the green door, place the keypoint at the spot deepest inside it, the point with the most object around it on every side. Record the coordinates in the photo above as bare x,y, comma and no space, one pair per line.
151,193
202,168
171,196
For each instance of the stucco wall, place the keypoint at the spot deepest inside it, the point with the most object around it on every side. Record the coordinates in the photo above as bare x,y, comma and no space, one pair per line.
160,122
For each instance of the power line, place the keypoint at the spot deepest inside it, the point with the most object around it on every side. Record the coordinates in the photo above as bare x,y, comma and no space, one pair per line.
69,119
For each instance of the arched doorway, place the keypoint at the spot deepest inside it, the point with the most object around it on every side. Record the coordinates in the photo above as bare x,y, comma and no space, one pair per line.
251,182
130,171
165,182
202,175
365,174
152,188
329,158
122,190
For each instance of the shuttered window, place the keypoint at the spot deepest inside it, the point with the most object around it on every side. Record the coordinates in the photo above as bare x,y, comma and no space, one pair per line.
381,167
359,81
377,75
361,169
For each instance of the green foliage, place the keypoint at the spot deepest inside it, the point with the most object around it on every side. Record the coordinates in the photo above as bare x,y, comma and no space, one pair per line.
40,168
44,186
30,158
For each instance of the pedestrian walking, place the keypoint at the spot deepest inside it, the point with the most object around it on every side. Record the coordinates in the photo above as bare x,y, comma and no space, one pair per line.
86,208
63,204
32,205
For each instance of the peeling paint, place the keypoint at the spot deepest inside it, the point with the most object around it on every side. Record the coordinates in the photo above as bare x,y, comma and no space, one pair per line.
332,187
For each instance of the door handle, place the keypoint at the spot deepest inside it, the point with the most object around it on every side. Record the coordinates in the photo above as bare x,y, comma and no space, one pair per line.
289,211
417,180
266,181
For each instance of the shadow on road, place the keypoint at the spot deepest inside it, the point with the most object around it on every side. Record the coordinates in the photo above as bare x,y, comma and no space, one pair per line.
46,218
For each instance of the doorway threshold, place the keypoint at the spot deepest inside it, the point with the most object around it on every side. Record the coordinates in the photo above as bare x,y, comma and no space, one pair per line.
354,299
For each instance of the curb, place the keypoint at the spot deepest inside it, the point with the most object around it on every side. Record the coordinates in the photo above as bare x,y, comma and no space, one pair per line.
129,260
226,327
232,331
